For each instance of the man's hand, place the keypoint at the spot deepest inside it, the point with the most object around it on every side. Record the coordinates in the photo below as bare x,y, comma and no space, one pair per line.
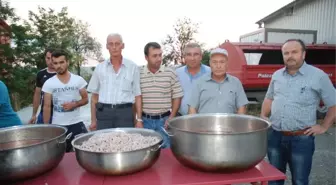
32,120
264,117
93,126
139,124
315,130
166,123
69,106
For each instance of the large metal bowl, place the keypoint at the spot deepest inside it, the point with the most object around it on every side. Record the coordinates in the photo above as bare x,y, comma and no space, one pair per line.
218,142
30,150
118,163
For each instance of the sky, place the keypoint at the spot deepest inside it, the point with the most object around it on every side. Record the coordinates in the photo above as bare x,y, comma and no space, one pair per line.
143,21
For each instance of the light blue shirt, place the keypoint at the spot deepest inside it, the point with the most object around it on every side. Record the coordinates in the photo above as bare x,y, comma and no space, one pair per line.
7,115
296,97
116,87
187,81
209,96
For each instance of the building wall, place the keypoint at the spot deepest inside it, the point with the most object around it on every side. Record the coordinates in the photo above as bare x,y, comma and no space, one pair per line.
253,37
276,35
317,15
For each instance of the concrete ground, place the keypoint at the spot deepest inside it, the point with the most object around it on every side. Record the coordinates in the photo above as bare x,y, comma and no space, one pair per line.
324,163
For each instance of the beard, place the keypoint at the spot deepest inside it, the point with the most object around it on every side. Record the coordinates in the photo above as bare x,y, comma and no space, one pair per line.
61,72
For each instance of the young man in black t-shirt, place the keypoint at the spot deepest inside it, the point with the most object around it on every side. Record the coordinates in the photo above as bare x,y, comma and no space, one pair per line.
41,77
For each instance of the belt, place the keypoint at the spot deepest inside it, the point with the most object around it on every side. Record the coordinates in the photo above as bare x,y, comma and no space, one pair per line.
116,106
158,116
293,133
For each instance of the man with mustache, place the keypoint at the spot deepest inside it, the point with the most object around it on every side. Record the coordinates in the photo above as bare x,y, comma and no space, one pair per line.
64,89
218,92
292,98
161,92
189,73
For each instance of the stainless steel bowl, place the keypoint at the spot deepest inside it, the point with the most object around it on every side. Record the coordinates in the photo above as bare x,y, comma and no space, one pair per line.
118,163
218,142
30,150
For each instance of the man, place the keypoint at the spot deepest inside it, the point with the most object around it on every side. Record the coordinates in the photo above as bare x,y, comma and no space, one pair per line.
190,73
7,115
292,97
64,89
218,92
161,92
115,87
41,77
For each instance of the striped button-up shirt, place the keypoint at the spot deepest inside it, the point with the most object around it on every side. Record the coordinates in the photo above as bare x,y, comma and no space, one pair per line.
296,97
159,89
116,88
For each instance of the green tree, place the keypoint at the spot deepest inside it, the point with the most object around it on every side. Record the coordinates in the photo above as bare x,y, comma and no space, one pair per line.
50,29
184,32
206,57
45,28
59,30
16,71
83,45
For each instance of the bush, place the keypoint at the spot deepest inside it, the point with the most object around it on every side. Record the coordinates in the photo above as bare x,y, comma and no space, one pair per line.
21,85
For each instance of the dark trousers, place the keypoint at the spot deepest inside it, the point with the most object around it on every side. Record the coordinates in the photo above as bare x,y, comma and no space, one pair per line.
297,151
108,117
75,129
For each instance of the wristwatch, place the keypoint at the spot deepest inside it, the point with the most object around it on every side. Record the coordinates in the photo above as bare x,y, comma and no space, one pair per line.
139,120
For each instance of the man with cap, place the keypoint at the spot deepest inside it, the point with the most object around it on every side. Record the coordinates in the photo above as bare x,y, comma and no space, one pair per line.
218,92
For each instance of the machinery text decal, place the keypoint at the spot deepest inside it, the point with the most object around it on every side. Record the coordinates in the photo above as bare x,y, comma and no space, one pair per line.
266,75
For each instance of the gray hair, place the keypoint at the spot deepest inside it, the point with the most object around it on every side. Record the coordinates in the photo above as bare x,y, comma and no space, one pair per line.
115,35
191,45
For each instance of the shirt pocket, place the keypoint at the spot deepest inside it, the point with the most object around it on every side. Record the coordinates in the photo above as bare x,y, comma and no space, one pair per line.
229,99
306,95
207,95
126,84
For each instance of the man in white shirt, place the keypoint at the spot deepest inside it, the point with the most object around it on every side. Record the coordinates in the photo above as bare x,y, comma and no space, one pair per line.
115,88
65,90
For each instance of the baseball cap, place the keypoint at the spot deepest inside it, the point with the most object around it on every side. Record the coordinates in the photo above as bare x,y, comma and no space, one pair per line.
219,51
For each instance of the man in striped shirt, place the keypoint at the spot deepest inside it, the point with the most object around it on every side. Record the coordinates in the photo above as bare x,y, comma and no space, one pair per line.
161,92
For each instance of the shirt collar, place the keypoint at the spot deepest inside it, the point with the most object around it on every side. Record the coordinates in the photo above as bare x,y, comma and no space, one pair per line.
209,78
146,70
302,70
202,69
123,62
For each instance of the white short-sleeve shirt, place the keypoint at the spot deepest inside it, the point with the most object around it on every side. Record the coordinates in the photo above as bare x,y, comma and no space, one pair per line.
64,93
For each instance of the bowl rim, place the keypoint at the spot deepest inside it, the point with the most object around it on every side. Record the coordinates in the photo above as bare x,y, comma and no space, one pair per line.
121,129
218,114
18,127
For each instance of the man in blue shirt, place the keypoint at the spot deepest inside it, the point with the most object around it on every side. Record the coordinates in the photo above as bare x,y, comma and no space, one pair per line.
291,100
7,115
189,73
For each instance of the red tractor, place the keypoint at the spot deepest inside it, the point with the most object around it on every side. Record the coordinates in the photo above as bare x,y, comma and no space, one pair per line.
254,64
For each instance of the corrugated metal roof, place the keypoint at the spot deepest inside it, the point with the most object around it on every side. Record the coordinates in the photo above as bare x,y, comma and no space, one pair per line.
282,10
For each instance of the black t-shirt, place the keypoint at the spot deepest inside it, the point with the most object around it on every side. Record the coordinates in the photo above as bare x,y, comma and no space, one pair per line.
41,78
